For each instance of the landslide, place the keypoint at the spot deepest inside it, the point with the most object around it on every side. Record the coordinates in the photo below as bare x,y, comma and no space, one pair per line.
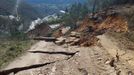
92,28
106,33
93,25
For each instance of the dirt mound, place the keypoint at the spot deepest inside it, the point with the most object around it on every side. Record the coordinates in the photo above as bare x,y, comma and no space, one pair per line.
84,25
40,30
114,23
92,28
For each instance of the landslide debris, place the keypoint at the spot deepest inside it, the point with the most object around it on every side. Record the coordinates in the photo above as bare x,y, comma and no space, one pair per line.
85,34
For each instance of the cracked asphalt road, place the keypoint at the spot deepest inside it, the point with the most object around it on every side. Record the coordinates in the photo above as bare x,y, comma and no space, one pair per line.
71,60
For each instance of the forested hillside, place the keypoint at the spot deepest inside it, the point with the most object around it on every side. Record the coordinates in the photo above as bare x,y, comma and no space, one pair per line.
7,7
56,2
47,7
9,10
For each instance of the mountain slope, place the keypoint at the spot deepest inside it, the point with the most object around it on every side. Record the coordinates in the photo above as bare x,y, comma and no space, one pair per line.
25,11
48,7
55,1
8,8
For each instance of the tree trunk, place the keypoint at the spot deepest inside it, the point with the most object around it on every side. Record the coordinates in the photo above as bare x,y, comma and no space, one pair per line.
94,7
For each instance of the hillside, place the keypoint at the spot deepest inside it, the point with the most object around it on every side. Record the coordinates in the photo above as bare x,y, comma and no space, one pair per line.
95,38
8,12
8,8
55,2
102,43
48,7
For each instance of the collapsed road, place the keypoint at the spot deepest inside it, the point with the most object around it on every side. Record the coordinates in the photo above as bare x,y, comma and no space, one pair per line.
46,58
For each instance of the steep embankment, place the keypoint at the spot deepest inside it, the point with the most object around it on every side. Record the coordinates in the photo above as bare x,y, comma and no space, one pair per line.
89,29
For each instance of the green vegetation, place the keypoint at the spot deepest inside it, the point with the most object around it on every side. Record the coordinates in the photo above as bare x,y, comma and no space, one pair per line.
75,13
10,49
55,21
96,5
130,36
14,44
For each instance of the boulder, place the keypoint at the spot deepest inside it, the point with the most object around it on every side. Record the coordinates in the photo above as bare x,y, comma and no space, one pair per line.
65,30
75,42
70,39
75,34
60,40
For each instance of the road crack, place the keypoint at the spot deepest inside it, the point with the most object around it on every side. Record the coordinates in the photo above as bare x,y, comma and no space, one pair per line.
51,53
18,69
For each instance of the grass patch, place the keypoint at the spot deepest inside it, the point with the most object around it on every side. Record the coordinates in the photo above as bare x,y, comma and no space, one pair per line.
10,49
130,36
54,21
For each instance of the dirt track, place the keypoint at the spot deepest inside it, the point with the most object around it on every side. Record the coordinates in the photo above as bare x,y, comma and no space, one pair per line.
49,59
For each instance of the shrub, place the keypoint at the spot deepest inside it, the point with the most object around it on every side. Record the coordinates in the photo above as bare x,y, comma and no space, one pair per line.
10,49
